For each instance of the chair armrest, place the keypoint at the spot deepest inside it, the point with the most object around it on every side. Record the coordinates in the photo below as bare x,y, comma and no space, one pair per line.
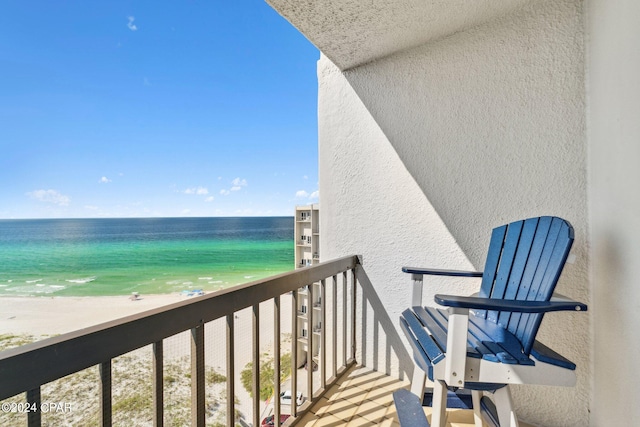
417,275
438,272
510,305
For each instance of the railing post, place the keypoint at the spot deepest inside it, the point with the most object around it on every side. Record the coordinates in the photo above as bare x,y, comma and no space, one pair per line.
231,408
344,318
294,349
34,417
310,310
105,393
353,314
323,335
197,377
276,358
256,364
334,324
158,384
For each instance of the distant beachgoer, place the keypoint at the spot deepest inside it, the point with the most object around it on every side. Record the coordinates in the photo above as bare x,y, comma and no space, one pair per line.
134,296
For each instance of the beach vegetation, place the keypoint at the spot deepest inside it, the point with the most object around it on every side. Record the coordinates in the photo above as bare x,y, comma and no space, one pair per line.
132,392
266,375
135,403
8,341
214,377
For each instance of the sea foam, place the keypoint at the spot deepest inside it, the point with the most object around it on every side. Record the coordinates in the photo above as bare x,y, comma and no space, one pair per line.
82,281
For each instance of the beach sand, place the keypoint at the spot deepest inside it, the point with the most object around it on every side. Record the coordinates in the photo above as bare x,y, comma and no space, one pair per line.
46,316
40,316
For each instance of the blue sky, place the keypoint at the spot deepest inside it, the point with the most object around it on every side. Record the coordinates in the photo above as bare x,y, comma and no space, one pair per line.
146,108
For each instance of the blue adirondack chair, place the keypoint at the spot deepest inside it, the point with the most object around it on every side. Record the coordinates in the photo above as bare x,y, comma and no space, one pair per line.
484,343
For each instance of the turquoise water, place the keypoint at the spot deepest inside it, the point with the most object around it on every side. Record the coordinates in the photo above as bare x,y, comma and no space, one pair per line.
89,257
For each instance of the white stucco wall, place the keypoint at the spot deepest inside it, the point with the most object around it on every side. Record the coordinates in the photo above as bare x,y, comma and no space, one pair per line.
613,89
373,207
423,152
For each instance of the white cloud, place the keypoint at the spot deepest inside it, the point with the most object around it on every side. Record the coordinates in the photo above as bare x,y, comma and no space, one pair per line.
91,207
209,199
302,194
145,82
239,182
50,196
305,177
200,191
131,25
104,180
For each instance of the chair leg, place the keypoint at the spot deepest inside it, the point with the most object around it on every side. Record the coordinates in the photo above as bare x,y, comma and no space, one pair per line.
477,415
417,383
504,405
439,404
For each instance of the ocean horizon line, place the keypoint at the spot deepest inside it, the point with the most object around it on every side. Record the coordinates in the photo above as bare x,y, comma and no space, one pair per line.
147,217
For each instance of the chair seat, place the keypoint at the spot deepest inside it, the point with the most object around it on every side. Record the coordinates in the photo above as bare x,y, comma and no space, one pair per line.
486,340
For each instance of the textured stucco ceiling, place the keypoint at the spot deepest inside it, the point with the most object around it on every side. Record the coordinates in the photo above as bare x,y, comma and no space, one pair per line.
354,32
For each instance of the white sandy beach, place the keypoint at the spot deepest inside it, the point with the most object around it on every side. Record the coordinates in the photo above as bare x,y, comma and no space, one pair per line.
58,315
42,316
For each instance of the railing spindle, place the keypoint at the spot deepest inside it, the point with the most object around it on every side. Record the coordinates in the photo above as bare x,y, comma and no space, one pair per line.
197,377
353,314
334,324
231,391
256,364
34,416
276,358
310,334
344,318
105,393
158,384
294,349
323,335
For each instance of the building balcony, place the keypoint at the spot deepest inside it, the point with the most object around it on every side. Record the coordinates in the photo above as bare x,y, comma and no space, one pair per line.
126,371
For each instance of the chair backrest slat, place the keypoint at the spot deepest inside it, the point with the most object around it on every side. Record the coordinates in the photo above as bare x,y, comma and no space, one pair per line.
522,288
499,287
491,265
523,256
524,262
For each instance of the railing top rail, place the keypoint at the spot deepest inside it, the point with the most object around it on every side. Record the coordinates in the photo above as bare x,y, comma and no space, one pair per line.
56,357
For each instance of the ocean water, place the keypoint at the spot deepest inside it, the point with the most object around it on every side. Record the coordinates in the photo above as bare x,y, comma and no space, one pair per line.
89,257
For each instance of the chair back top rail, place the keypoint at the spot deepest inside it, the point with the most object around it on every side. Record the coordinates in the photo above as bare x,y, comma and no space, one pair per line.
524,262
29,366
